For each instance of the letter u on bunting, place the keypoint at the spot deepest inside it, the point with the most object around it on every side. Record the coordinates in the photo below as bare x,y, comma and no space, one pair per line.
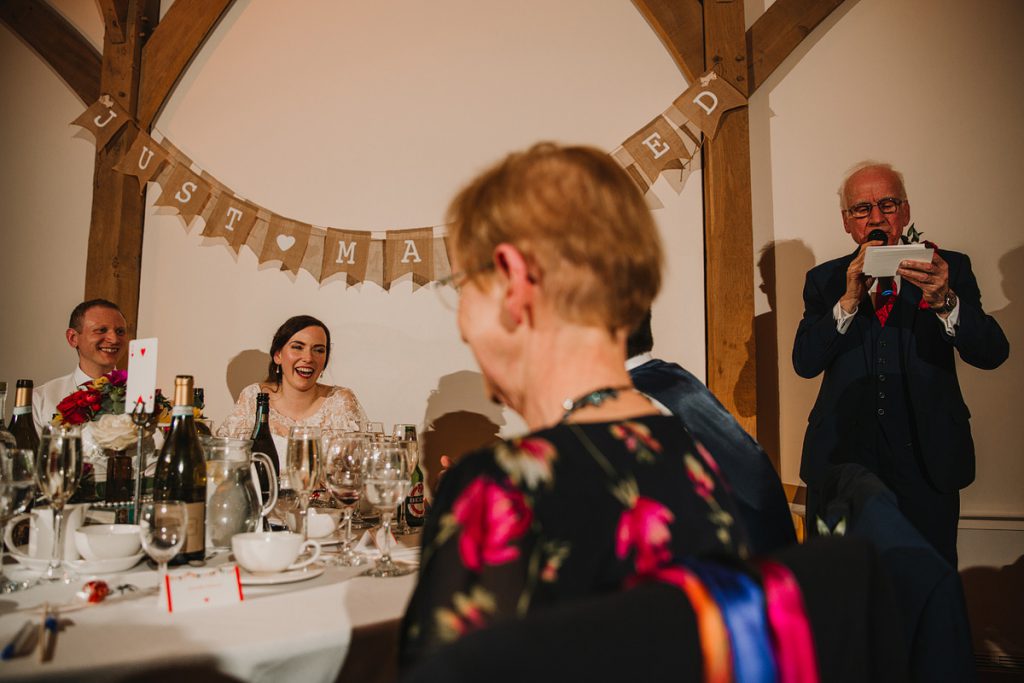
185,191
409,251
706,100
232,218
144,160
285,242
345,252
104,118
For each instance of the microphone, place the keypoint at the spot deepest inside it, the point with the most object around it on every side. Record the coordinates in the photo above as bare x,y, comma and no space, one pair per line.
877,234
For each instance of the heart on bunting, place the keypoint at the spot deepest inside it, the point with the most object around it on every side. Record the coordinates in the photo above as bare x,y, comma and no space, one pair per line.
285,242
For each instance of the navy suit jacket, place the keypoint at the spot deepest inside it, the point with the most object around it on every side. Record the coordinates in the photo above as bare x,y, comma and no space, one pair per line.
756,487
939,417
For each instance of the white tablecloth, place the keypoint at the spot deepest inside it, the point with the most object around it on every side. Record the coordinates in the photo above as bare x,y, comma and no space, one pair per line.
299,631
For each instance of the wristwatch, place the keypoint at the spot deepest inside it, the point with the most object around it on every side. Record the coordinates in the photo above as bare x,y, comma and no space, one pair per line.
948,304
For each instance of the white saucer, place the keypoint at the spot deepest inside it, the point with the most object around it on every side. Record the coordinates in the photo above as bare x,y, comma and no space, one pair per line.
117,564
310,572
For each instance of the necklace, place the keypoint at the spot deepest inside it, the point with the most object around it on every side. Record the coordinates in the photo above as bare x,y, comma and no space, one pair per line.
591,398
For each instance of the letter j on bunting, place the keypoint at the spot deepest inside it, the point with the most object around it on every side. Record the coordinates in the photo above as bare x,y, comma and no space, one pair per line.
104,118
409,251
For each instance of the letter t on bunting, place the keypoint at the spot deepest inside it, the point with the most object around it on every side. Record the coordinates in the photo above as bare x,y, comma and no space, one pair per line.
409,251
345,252
657,147
232,219
706,100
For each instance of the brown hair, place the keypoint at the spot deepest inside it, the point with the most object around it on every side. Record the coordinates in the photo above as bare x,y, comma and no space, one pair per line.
79,311
579,221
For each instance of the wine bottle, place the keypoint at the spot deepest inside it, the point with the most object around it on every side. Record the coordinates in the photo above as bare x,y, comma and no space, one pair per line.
181,471
22,426
263,442
199,401
6,438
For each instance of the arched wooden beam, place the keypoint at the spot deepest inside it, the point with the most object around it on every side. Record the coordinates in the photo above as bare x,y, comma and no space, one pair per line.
680,25
115,15
170,49
778,31
58,43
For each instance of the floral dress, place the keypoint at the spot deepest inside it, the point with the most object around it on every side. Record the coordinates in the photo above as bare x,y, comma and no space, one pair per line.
566,512
340,410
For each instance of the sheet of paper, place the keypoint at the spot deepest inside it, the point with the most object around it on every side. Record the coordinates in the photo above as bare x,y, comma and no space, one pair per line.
192,588
141,374
883,261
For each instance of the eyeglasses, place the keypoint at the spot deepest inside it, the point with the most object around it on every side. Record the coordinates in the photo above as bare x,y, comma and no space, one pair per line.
449,288
887,205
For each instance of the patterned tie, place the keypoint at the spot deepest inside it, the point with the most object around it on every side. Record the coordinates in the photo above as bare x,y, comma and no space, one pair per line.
885,298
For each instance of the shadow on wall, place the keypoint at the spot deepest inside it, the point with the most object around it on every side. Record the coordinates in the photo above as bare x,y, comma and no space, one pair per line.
796,259
460,418
994,596
247,367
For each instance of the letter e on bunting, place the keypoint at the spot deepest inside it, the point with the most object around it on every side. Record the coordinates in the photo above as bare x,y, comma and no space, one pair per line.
143,160
104,118
286,242
232,218
706,100
409,251
185,191
657,147
345,252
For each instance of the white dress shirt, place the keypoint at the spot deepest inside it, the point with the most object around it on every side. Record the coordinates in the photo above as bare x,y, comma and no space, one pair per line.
46,397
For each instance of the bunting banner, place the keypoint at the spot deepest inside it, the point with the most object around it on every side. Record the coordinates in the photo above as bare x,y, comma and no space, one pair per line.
667,147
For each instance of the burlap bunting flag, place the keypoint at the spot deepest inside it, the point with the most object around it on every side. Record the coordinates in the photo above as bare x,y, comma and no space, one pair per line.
104,118
185,191
232,218
409,251
706,100
285,242
657,147
345,252
144,160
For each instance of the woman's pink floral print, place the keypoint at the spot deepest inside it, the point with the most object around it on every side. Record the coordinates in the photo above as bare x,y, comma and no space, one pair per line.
528,462
492,518
633,434
703,484
708,459
645,529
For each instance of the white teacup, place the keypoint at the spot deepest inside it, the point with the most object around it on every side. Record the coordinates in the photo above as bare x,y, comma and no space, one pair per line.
40,535
322,521
269,552
108,541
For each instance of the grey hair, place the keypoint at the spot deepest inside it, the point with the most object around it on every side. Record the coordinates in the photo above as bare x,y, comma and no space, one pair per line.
860,166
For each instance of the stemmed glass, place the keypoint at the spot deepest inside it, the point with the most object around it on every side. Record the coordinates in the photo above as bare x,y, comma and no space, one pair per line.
402,527
375,430
58,471
304,468
345,458
386,478
17,487
162,528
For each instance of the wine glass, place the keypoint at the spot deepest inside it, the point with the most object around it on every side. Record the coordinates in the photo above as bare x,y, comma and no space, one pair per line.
162,528
304,468
345,456
375,430
402,527
17,488
386,479
58,471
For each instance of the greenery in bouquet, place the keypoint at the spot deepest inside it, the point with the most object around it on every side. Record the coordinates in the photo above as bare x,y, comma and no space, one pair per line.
102,396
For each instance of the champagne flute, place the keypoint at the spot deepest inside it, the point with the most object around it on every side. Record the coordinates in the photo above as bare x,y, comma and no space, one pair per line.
375,430
386,478
17,488
402,527
58,472
345,457
162,529
304,467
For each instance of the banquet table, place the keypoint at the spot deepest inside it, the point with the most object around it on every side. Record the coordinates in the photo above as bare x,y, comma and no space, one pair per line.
306,630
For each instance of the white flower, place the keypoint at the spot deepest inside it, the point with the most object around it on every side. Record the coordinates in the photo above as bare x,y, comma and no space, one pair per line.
116,432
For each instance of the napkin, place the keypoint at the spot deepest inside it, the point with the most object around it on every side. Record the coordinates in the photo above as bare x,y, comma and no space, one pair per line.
371,543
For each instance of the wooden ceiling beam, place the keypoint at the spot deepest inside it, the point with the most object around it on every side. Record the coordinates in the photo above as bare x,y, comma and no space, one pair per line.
59,43
778,31
174,43
680,25
115,14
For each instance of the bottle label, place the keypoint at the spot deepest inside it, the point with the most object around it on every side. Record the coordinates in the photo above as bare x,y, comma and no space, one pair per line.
22,410
195,538
415,506
181,410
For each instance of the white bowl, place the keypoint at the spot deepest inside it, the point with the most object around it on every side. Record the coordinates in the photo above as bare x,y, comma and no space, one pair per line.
323,521
108,541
